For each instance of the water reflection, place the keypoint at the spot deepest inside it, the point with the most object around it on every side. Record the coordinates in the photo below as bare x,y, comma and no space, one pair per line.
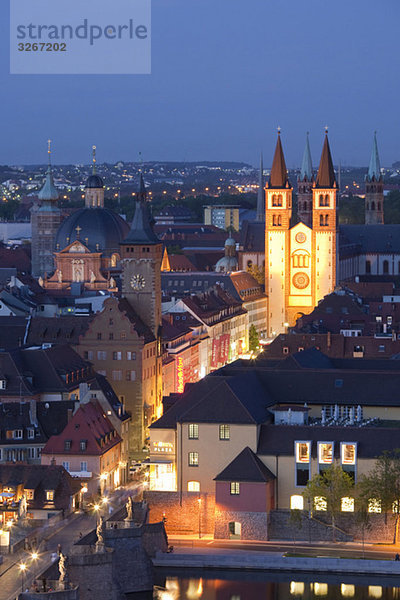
271,586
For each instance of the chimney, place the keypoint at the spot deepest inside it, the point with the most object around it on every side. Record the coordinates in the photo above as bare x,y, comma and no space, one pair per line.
70,412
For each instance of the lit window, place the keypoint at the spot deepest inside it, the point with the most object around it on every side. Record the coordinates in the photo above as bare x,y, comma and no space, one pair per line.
50,495
296,502
303,452
325,453
347,504
374,591
193,431
320,503
320,589
348,453
193,486
347,590
193,459
224,432
297,588
235,488
29,494
374,505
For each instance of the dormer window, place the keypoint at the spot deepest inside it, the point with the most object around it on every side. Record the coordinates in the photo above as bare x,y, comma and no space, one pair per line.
18,434
3,384
67,444
83,445
31,433
50,495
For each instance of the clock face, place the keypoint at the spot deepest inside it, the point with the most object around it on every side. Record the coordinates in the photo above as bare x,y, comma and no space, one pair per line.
137,282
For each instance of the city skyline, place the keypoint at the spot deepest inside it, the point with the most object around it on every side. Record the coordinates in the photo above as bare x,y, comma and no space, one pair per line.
242,73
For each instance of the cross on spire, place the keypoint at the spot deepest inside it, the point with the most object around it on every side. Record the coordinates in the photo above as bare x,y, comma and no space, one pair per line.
49,149
78,231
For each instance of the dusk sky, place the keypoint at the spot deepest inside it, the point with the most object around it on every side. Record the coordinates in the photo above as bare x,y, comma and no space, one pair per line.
225,74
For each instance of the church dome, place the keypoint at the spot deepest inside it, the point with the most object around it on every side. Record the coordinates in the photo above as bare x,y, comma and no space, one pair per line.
100,229
226,264
230,242
94,181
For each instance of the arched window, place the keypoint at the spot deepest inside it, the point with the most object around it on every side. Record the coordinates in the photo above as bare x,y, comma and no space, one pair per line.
274,200
280,200
114,260
326,200
279,220
372,205
249,264
321,200
368,266
326,220
378,206
321,220
386,266
274,220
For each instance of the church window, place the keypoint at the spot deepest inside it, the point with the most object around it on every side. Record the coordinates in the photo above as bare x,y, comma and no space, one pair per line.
326,220
368,266
321,220
274,200
379,206
321,200
274,221
372,205
280,200
279,220
114,260
386,266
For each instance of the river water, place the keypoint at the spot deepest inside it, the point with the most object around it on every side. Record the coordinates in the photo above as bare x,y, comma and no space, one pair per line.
235,585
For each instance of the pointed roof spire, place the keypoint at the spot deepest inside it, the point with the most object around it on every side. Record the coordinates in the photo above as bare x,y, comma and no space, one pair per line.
141,229
374,171
326,174
306,172
278,177
261,194
49,190
94,159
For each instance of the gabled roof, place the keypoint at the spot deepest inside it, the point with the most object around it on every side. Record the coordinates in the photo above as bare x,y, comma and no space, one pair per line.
89,423
239,400
246,467
140,327
326,174
278,177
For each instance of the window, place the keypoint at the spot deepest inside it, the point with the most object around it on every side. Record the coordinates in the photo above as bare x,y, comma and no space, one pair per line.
381,348
193,486
320,503
102,372
285,350
18,434
101,355
66,465
83,444
99,336
193,459
50,495
302,455
84,466
348,453
30,494
235,488
31,434
67,444
193,431
325,453
296,502
347,505
131,355
386,266
368,266
110,336
374,506
3,382
117,375
131,376
117,355
224,432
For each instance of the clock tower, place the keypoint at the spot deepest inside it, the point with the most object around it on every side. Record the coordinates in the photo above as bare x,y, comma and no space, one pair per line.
141,254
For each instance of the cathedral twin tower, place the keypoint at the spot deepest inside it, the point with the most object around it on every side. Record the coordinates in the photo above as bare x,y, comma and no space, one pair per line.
300,260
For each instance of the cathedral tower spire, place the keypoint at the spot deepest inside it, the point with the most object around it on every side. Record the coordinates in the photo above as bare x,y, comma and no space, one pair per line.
261,194
304,187
278,211
45,222
374,189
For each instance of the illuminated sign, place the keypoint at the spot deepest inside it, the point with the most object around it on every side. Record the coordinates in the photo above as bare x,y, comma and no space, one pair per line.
162,447
180,383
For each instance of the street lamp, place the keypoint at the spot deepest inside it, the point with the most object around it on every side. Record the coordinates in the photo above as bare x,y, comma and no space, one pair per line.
22,568
199,501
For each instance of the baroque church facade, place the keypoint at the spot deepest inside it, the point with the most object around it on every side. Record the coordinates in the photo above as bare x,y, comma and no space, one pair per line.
300,260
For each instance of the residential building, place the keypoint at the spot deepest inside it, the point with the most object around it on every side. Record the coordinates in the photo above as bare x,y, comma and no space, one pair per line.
89,448
222,216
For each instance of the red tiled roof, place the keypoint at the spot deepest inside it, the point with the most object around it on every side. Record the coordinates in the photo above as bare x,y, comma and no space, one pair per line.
89,423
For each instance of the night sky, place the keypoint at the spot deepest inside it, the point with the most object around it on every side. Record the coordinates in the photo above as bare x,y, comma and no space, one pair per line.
225,74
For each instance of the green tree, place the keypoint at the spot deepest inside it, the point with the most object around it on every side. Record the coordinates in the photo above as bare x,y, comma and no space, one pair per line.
258,273
362,517
333,485
295,522
382,485
253,339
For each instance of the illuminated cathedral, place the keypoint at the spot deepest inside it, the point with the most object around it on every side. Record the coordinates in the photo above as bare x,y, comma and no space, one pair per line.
300,260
